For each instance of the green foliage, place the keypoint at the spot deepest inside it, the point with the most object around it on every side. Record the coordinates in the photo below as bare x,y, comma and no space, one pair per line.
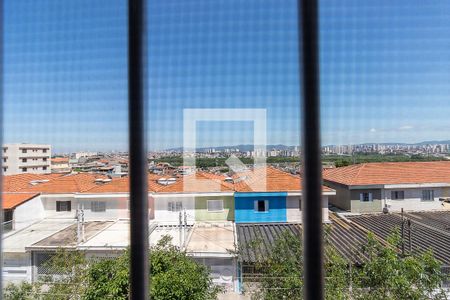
108,278
388,275
385,274
174,275
21,291
177,276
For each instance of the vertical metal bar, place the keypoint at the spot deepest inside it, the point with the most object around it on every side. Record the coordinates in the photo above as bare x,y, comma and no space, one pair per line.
2,98
139,268
312,167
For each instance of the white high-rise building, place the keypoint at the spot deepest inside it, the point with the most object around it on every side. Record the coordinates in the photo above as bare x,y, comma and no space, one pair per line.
26,158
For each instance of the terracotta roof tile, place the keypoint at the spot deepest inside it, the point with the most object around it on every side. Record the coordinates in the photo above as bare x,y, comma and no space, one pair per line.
200,182
72,183
391,173
122,185
18,182
268,180
12,200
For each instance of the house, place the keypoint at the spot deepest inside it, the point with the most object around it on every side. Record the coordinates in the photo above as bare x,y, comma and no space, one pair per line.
60,165
270,195
202,196
392,186
16,210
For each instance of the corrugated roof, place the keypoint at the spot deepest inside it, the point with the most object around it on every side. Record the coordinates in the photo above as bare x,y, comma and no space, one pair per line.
429,230
391,173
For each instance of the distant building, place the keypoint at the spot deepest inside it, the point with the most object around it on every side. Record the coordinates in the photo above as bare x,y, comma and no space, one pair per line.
26,158
79,155
61,165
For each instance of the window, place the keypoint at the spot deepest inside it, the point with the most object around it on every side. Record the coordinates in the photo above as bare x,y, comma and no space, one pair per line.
215,205
365,197
24,160
98,206
261,206
427,195
44,150
397,195
4,159
44,168
24,169
175,206
24,150
44,159
4,169
63,206
4,150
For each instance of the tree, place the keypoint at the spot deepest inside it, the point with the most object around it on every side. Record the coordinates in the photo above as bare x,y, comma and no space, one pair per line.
389,275
282,270
174,275
384,275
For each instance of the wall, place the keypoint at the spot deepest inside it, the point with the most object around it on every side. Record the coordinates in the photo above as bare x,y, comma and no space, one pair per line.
16,267
413,201
49,204
357,206
116,208
202,213
28,213
244,207
163,215
294,211
342,197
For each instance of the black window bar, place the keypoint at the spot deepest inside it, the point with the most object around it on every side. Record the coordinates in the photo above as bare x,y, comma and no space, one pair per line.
312,167
1,143
139,244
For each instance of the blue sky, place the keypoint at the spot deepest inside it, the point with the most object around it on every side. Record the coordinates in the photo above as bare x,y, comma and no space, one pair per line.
385,69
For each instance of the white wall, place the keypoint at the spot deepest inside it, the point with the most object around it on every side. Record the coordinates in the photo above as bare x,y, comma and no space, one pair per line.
49,204
116,208
162,214
28,213
294,214
16,267
412,201
293,211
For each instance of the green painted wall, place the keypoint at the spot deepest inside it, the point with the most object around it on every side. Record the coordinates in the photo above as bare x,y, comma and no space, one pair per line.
202,214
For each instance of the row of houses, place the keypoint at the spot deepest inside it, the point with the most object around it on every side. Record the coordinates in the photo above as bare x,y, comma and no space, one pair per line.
205,214
90,212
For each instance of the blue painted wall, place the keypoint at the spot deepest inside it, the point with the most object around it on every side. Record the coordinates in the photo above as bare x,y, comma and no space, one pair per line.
245,212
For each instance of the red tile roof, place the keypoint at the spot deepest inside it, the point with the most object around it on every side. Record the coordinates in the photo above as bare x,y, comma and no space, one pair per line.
122,185
390,173
59,160
18,182
73,183
200,182
12,200
268,180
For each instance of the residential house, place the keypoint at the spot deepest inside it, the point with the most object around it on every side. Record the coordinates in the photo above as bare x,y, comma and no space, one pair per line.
270,195
390,186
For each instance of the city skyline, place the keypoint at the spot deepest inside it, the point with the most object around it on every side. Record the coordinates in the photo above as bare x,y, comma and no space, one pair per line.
384,76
